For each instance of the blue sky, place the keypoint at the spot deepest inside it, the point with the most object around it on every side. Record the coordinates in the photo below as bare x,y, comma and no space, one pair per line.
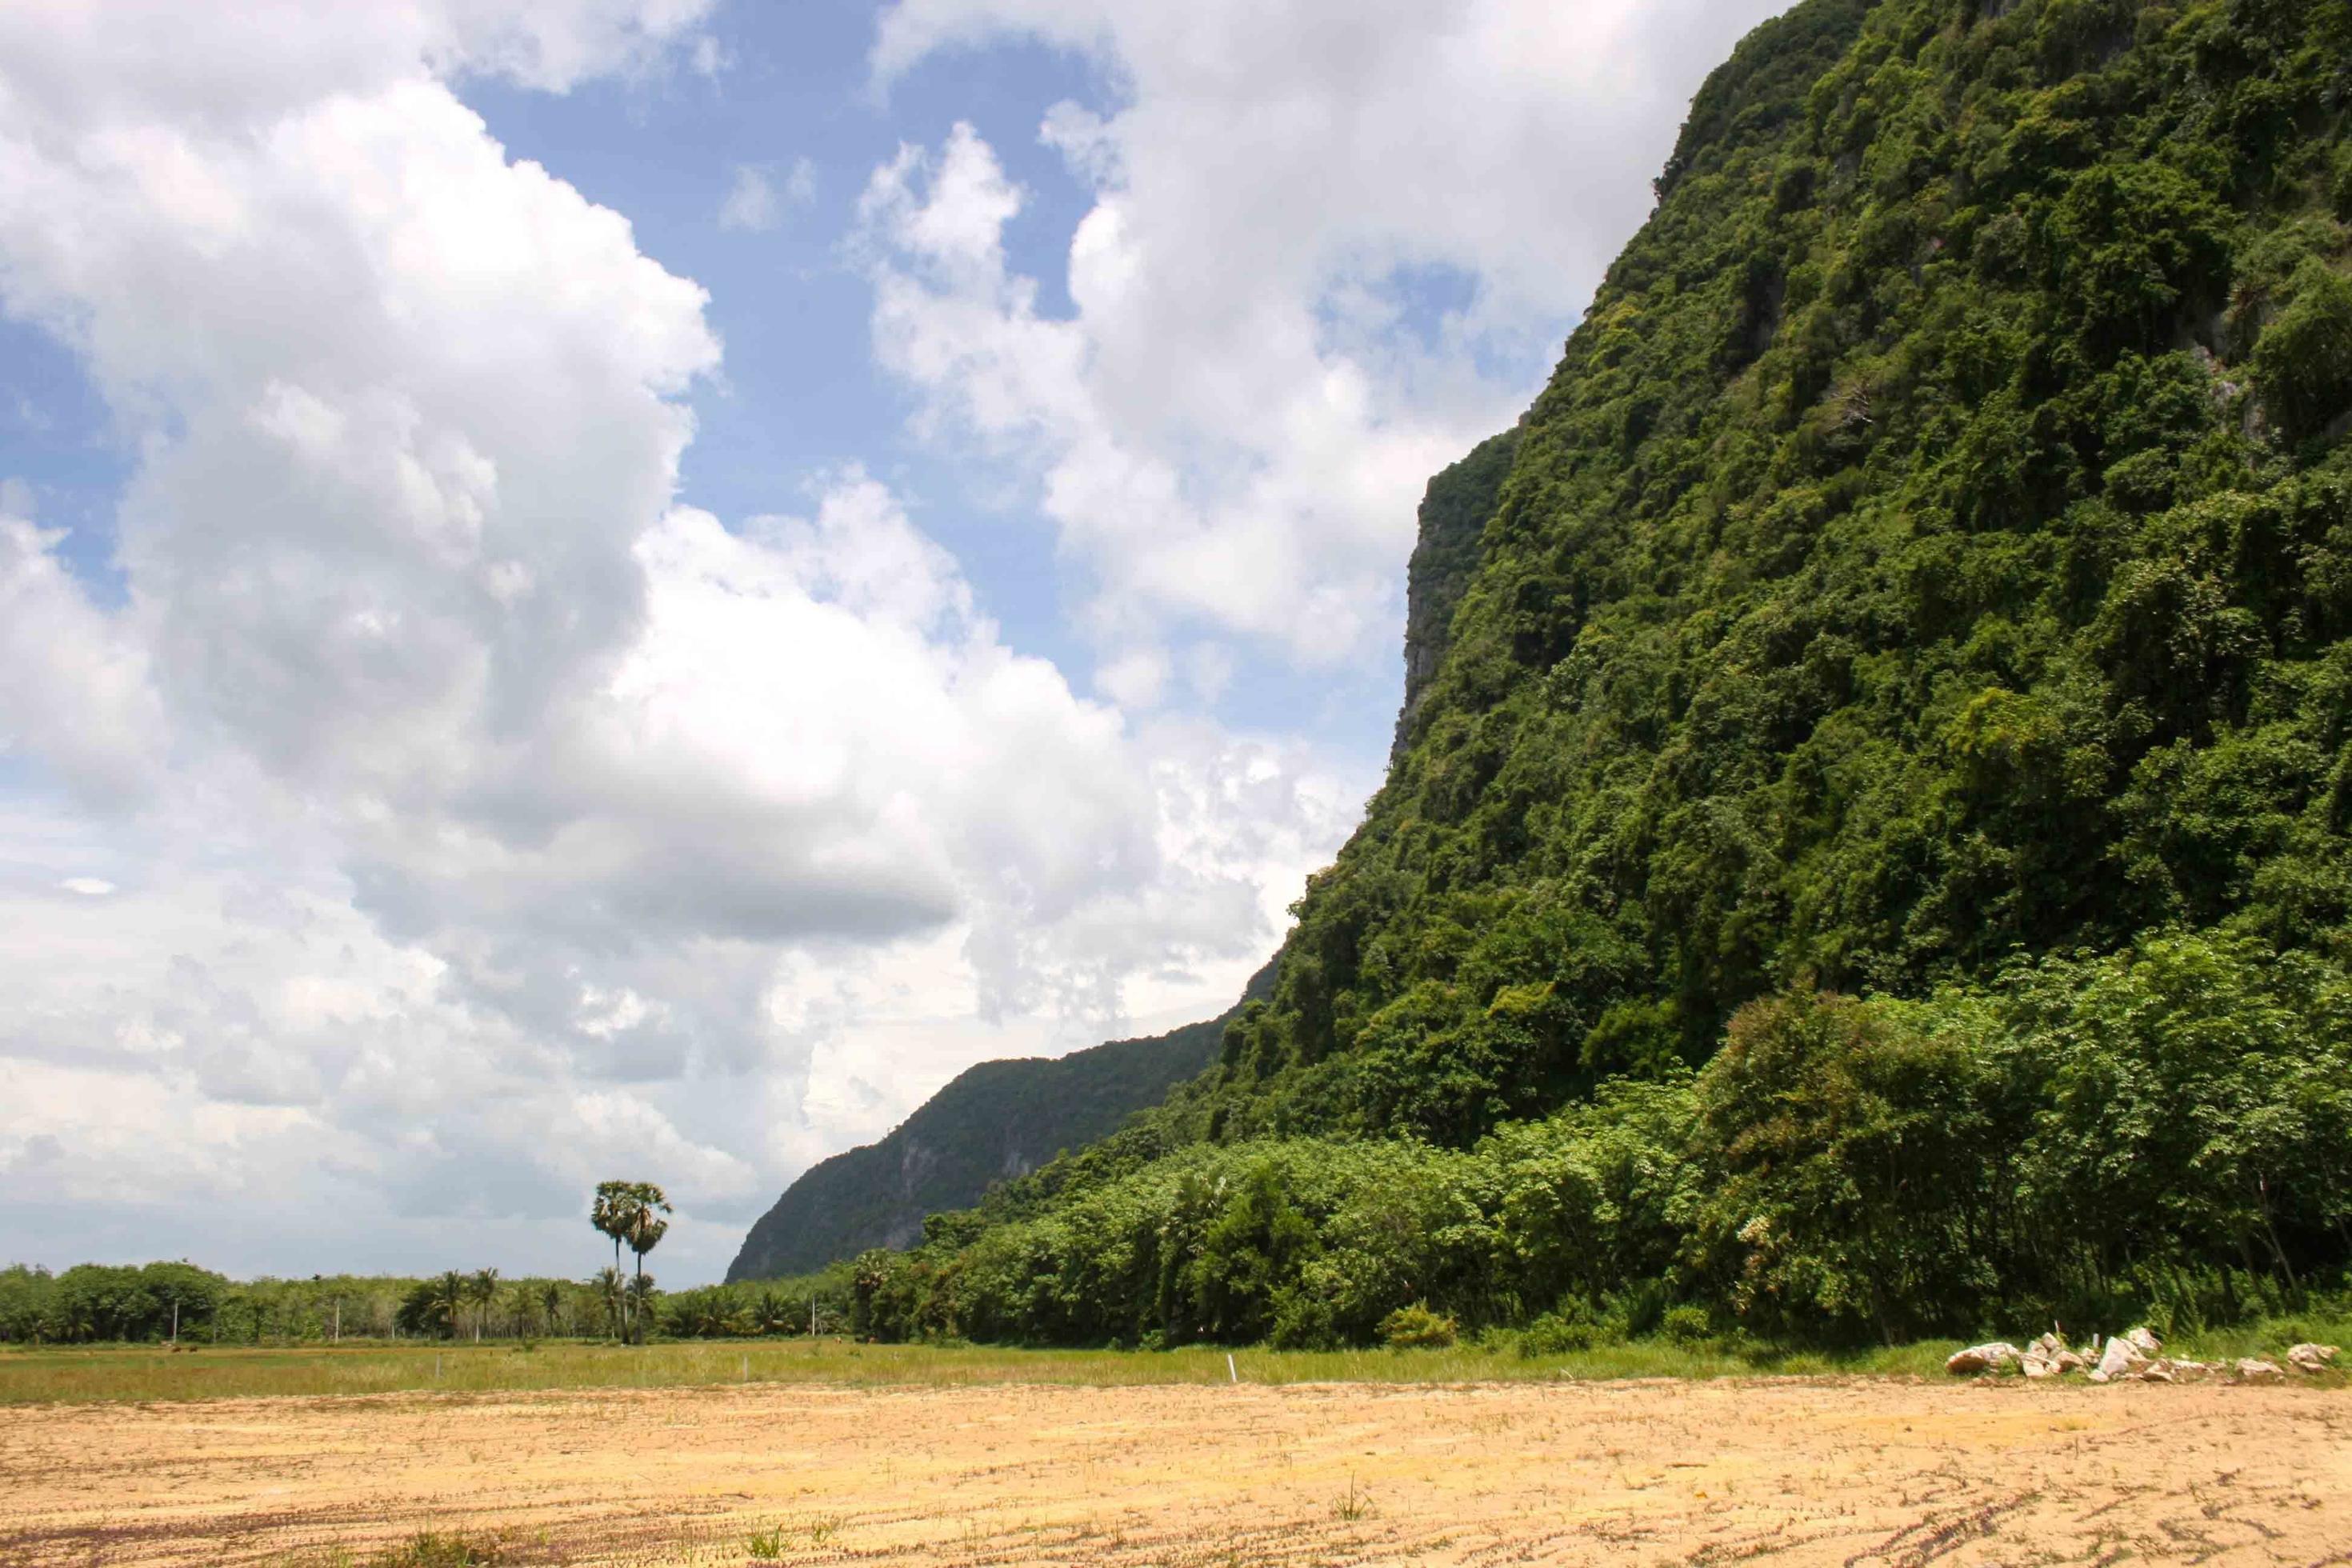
628,585
801,394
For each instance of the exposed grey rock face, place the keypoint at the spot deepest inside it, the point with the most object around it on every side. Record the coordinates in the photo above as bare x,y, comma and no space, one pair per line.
1454,513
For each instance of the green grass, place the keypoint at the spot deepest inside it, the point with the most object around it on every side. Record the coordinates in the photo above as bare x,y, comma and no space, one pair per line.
433,1549
65,1375
148,1372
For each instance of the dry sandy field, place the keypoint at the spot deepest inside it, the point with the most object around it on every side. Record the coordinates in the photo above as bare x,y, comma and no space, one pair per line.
1856,1472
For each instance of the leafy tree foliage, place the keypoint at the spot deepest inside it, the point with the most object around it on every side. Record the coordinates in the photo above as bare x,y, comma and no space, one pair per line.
95,1301
631,1214
2157,1133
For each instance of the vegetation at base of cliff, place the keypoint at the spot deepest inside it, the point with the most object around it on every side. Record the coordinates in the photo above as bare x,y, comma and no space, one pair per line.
1906,676
994,1120
2159,1135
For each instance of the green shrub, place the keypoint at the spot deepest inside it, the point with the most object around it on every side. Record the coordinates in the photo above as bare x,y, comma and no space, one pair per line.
1685,1325
2304,363
1417,1328
432,1549
1553,1334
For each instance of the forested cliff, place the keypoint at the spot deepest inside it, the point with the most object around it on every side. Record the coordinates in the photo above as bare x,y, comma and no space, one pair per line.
1868,853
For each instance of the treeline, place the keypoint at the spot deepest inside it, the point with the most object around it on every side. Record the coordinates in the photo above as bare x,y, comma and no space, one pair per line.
2163,1134
102,1303
818,1303
94,1302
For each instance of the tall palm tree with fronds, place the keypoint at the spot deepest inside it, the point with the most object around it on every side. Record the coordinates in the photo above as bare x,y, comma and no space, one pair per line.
482,1289
445,1302
551,1302
645,1234
615,1211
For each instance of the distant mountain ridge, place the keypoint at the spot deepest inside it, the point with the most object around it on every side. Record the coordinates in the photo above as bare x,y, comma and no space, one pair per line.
994,1121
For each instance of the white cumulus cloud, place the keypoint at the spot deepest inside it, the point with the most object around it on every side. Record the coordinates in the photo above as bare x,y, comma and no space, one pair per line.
1329,247
478,818
758,198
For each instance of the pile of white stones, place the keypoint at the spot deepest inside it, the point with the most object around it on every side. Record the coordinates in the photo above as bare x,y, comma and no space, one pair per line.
2133,1357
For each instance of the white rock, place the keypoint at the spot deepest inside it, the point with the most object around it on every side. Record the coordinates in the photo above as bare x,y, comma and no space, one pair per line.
2310,1358
2252,1371
1990,1357
2121,1356
2144,1338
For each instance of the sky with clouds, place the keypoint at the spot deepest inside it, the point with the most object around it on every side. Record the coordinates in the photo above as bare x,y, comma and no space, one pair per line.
600,588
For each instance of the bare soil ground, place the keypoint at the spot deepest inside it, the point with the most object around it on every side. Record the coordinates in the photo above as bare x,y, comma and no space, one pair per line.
1856,1472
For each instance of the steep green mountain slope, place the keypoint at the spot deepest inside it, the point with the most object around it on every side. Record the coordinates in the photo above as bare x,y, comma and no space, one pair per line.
1871,853
991,1123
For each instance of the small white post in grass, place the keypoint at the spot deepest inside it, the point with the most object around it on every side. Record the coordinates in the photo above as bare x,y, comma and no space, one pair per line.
1230,1371
747,1369
437,1366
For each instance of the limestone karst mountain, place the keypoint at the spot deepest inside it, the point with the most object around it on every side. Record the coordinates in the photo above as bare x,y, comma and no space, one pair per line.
1866,853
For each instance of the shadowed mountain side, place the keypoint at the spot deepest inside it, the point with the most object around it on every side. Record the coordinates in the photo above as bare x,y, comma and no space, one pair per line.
993,1122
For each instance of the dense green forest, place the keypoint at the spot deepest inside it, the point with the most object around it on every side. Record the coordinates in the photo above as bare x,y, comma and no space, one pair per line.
994,1120
1866,855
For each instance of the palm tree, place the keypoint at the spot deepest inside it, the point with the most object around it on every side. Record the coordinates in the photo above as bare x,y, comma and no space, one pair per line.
615,1211
551,1302
482,1289
646,1231
611,1290
641,1301
445,1302
627,1211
